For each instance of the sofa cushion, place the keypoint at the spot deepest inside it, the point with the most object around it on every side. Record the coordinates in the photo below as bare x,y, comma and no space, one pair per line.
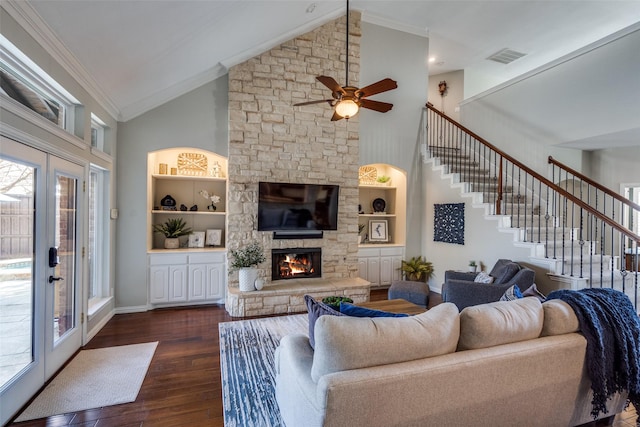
505,272
344,343
559,318
317,309
356,311
501,322
512,293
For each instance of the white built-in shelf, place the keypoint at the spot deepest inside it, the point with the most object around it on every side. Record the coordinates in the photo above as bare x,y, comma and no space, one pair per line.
188,177
378,215
179,212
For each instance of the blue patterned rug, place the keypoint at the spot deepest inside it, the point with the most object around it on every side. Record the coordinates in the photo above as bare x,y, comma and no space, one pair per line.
248,370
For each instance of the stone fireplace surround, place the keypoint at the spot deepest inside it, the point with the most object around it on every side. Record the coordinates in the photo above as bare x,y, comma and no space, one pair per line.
270,140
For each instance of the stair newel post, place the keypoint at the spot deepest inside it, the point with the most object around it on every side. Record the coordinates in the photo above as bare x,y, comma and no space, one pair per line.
499,198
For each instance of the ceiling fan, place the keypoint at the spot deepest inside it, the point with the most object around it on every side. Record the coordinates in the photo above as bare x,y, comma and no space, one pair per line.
347,100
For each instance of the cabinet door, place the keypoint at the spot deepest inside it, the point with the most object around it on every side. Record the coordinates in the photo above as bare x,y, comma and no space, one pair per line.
396,264
197,282
177,283
158,284
385,270
362,269
215,284
373,271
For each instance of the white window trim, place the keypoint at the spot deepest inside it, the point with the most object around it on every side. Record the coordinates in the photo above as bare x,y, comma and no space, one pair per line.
101,275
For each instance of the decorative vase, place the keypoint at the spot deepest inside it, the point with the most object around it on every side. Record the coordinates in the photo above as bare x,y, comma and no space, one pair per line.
259,284
171,243
472,268
247,277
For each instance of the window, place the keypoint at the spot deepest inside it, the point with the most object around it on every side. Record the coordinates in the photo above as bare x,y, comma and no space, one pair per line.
23,81
98,250
97,132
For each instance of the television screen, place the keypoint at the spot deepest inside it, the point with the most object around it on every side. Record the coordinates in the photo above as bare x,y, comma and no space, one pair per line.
291,206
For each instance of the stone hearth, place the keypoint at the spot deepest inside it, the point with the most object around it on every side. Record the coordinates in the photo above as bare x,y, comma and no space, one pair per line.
288,296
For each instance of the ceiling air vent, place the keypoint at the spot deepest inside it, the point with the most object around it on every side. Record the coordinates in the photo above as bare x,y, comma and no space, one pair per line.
506,56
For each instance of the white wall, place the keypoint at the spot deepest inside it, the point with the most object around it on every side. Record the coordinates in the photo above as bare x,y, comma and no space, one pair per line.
393,137
449,103
589,95
197,119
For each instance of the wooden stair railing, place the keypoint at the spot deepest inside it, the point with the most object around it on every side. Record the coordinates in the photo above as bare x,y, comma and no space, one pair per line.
569,229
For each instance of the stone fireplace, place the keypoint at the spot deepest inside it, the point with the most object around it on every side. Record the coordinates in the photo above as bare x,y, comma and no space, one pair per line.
296,263
271,140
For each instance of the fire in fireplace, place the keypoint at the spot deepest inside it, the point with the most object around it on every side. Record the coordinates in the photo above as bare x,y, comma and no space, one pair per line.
296,263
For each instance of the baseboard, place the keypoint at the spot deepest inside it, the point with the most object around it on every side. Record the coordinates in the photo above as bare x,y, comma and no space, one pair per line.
132,309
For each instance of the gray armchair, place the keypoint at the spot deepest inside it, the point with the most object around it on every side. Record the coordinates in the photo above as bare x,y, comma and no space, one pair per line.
460,288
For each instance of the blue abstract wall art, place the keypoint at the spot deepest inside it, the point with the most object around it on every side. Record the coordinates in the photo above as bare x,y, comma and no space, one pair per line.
449,223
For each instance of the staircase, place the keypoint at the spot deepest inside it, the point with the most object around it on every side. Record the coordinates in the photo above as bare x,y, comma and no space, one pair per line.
570,229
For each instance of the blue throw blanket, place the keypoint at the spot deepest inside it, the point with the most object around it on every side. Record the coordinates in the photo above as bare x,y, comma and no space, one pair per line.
611,327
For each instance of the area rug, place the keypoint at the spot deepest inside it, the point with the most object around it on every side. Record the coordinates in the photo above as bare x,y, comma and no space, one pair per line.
248,370
93,379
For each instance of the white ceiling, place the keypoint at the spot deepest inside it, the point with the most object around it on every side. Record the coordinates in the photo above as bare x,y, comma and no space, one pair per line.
140,54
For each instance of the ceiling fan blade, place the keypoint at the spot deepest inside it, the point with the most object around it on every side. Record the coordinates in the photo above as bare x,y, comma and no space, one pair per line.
378,87
329,101
382,107
336,117
331,84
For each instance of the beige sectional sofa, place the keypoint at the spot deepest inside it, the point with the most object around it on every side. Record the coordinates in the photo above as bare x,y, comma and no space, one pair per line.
515,363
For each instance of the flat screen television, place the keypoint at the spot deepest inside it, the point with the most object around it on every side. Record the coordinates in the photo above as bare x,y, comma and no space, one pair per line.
297,207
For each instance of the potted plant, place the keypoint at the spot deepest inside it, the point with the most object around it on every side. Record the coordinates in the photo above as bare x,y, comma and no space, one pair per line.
245,260
472,266
417,269
384,179
334,301
172,228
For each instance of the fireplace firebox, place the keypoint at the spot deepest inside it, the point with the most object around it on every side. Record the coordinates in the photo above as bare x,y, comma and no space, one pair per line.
295,263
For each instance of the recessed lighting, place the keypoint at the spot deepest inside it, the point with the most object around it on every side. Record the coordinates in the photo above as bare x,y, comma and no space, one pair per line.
432,59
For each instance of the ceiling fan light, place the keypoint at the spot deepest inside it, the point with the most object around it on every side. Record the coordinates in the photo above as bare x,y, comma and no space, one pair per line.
347,108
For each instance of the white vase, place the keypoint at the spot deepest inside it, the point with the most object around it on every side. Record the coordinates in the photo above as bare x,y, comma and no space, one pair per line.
171,243
247,278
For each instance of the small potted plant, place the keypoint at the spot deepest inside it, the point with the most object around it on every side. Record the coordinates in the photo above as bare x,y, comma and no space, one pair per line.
417,269
245,260
384,179
172,228
334,301
472,266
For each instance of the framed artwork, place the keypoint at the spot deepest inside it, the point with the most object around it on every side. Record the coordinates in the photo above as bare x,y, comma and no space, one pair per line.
448,223
214,237
378,230
196,239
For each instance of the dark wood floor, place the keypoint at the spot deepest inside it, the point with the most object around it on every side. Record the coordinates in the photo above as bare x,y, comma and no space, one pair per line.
183,386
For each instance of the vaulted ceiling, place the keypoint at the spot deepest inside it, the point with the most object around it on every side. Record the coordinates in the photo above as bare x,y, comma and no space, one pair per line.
140,54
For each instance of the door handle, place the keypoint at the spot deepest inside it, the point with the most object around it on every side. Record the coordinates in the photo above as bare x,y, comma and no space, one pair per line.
54,279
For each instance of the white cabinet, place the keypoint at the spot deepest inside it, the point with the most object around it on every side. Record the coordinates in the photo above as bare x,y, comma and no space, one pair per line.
380,265
186,278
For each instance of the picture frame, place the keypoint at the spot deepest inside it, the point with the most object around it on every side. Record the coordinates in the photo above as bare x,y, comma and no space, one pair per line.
214,237
378,230
196,239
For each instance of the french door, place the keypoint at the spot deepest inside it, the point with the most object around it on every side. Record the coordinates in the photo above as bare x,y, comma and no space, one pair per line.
40,230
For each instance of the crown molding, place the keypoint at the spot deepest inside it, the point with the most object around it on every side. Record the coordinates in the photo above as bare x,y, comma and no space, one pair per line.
394,25
27,17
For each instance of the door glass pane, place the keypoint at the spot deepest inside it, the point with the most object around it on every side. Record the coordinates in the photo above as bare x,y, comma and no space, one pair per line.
17,224
65,233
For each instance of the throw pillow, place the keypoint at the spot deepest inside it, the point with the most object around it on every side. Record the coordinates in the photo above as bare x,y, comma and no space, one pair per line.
532,291
483,277
355,311
317,309
511,294
501,322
